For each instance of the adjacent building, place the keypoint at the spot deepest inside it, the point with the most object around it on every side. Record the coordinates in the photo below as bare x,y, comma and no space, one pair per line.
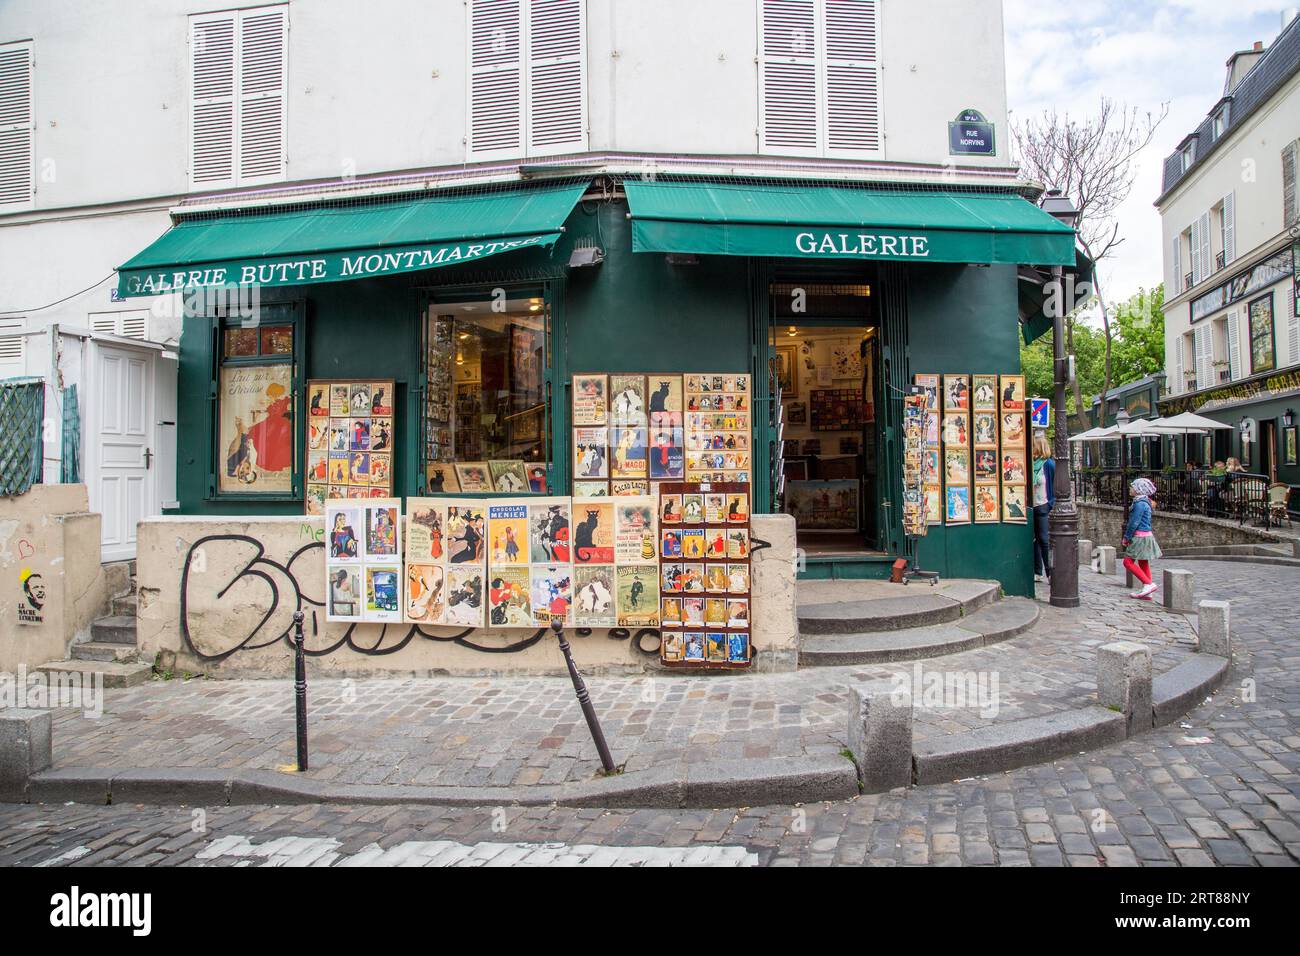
1231,219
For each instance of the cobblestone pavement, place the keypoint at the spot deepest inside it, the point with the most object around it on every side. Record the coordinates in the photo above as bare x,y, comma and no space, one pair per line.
521,732
1221,787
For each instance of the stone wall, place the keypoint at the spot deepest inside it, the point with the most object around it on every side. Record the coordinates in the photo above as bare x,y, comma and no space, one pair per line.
49,556
1104,524
217,596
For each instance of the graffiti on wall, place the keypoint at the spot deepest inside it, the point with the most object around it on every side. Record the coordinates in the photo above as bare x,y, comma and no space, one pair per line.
250,605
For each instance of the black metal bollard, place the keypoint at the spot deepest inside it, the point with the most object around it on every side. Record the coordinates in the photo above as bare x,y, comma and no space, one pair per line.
300,688
584,699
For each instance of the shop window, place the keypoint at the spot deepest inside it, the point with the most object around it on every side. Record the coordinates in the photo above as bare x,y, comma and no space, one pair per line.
487,408
255,410
1262,358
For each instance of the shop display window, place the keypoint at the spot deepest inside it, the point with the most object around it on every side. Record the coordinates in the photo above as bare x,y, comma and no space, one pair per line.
486,411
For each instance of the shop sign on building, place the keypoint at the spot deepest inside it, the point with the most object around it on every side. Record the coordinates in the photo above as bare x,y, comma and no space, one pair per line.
971,134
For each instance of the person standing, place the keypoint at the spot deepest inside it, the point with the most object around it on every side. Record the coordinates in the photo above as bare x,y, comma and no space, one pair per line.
1139,541
1044,501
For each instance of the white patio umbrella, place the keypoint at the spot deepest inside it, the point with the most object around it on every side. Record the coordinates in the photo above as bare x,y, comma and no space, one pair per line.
1191,422
1092,434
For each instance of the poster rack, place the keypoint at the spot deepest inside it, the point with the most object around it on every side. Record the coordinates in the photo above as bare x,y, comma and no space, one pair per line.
916,406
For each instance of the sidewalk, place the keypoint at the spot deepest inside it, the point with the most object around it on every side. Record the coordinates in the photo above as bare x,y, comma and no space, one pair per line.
519,739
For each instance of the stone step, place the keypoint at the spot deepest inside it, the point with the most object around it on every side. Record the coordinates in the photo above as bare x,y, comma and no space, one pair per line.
125,605
860,607
115,674
988,625
117,629
103,651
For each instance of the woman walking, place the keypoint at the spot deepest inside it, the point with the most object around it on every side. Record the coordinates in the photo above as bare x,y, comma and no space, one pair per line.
1139,541
1044,500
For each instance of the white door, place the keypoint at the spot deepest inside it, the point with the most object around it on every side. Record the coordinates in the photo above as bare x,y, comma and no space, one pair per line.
121,429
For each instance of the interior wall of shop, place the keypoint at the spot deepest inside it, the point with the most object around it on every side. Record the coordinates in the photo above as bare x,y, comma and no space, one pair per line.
962,319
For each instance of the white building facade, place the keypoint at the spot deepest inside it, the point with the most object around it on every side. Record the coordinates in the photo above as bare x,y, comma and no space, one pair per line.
1231,224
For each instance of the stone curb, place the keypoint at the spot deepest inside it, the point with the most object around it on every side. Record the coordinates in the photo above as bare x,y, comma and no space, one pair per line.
897,613
719,783
1185,685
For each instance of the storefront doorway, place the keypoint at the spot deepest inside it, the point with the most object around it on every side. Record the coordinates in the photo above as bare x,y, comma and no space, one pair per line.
824,340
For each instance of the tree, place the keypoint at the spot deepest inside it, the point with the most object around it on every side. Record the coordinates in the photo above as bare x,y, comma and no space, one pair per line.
1091,161
1139,347
1089,367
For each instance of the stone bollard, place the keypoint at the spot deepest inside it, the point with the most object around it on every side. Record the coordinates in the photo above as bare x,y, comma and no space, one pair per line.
880,734
1130,579
1085,552
24,750
1295,547
1212,628
1124,682
1107,564
1178,594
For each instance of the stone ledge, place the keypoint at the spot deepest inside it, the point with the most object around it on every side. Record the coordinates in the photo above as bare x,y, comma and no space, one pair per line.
1184,686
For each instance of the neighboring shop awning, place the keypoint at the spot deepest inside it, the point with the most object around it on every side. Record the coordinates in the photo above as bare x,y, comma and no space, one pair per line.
1034,293
840,222
359,241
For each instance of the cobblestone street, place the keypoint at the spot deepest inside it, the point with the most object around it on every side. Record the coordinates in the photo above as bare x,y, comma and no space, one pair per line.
1218,787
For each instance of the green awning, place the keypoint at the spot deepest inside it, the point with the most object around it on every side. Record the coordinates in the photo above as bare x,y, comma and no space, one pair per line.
841,222
333,243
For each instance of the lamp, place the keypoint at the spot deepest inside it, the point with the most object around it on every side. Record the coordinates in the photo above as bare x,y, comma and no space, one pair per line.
586,253
1288,418
1058,205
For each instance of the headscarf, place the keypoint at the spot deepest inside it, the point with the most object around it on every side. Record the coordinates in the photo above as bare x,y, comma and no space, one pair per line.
1143,488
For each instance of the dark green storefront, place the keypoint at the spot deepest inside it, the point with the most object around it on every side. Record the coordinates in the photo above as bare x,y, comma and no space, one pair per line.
639,311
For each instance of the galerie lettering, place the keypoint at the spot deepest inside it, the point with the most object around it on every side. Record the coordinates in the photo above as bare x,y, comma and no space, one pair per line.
863,244
74,909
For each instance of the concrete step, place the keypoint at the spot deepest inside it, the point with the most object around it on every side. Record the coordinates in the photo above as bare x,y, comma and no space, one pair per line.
117,629
104,651
115,674
860,607
988,625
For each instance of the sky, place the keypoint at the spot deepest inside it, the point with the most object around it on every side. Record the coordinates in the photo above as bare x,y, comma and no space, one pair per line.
1068,55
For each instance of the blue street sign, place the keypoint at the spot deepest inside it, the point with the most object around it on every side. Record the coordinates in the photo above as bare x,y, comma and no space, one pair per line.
1040,412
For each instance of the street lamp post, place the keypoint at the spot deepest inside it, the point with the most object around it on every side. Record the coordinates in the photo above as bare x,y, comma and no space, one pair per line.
1063,523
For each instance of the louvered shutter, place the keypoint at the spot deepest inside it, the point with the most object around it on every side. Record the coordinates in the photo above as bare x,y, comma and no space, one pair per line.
13,348
1177,249
1179,384
1229,227
1196,252
212,99
1201,259
263,91
496,81
852,76
557,82
1293,337
788,97
1234,345
1204,346
1290,200
17,125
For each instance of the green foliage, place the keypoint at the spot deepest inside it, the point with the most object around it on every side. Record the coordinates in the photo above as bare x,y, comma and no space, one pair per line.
1138,349
1089,364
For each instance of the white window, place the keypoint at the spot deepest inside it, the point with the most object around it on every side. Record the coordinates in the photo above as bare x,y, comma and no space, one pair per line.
17,125
527,78
1189,156
239,76
819,77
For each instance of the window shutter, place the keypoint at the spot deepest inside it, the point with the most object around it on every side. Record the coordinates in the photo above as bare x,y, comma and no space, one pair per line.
1203,345
1293,337
1202,262
557,80
1290,205
1179,385
788,76
496,84
1177,248
852,77
1229,227
17,125
212,98
1196,252
1234,345
13,348
263,91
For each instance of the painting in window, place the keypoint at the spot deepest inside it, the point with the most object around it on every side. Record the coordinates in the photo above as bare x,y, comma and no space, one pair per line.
256,429
1261,335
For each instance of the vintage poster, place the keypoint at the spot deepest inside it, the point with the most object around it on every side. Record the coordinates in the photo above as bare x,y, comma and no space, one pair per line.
634,530
590,453
465,529
628,452
529,576
256,429
507,534
590,400
664,398
956,393
363,560
958,505
508,477
637,599
985,427
823,505
987,504
510,598
552,594
549,536
629,487
440,478
593,600
593,531
473,476
627,406
590,489
1013,504
667,452
350,438
441,534
717,427
984,393
465,596
1013,463
425,593
1013,393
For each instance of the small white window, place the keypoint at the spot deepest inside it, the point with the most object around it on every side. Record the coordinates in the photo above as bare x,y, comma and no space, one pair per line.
17,125
239,73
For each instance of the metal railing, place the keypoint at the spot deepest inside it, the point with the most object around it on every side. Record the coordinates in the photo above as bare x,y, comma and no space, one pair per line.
1235,496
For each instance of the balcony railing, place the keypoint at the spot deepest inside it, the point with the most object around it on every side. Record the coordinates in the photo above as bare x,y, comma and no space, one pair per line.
1220,261
1187,281
1237,496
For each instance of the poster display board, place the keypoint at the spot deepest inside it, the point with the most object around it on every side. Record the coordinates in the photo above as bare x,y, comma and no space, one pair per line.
956,426
704,574
985,426
915,521
363,560
1014,460
350,437
446,561
718,429
930,459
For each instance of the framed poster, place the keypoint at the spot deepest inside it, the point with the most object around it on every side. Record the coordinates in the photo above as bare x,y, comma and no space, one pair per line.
1013,458
1262,356
363,560
823,505
785,360
1288,445
255,430
589,399
350,439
